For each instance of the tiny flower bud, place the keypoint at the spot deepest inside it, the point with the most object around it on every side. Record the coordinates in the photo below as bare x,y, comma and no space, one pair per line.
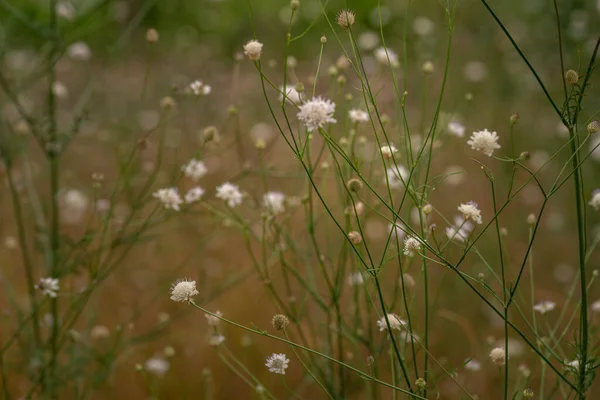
528,393
280,322
531,219
300,87
232,110
152,35
525,155
593,127
167,103
295,4
481,276
349,97
514,118
427,209
341,80
333,71
323,39
370,360
355,237
138,367
421,384
572,77
354,185
346,19
428,67
211,134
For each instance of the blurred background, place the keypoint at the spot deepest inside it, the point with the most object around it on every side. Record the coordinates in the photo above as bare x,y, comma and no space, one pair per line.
113,81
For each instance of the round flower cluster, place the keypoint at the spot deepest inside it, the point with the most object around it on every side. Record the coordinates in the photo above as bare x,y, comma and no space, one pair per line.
317,112
484,141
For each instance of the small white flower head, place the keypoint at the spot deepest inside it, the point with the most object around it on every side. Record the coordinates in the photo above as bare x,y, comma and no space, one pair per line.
595,201
387,151
214,320
346,19
387,56
60,90
199,88
498,356
396,176
194,169
253,50
317,112
79,51
277,363
355,279
157,366
460,231
395,323
292,95
399,230
524,370
355,237
596,306
193,195
456,129
411,246
183,290
274,202
471,212
574,365
356,115
544,307
216,340
473,365
65,10
48,286
99,332
484,141
230,193
169,197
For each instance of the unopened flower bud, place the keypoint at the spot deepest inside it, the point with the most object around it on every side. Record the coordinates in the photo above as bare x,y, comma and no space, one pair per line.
593,127
294,4
355,237
152,35
323,39
572,77
514,118
531,219
427,209
355,185
525,155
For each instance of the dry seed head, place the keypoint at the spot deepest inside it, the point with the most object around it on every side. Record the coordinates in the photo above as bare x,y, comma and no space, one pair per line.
355,237
280,322
370,360
346,19
294,4
528,393
152,35
421,384
354,185
593,127
572,76
167,103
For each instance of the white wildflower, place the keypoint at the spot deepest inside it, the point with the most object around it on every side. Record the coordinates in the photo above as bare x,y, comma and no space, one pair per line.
411,245
317,112
387,151
595,201
193,195
274,202
79,51
471,212
396,176
253,49
169,197
183,290
355,279
230,193
460,230
573,365
399,230
484,141
194,169
498,356
456,128
48,286
277,363
356,115
216,340
157,366
473,365
65,10
199,88
596,306
292,95
99,332
214,320
387,57
544,307
395,322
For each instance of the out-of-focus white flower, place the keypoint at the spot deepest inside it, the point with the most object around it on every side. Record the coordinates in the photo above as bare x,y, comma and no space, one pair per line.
471,212
193,195
357,115
456,128
544,307
199,88
316,113
99,332
183,290
194,169
484,141
460,231
595,201
395,323
169,197
475,71
355,279
596,306
473,365
498,356
214,320
387,151
396,176
292,95
74,204
48,286
60,90
230,193
157,366
423,26
387,57
399,230
216,340
274,202
79,51
277,363
65,10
